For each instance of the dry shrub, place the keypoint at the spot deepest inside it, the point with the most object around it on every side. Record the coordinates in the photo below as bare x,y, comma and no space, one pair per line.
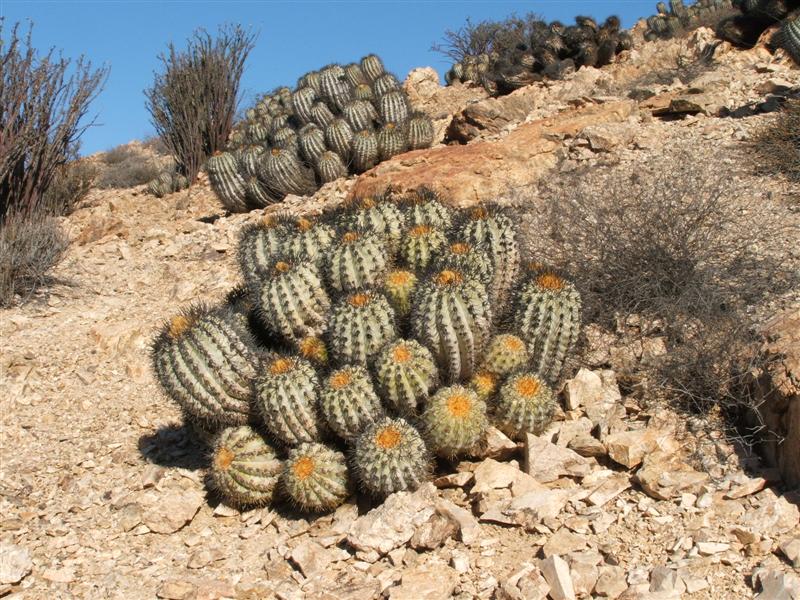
31,244
679,245
126,167
486,36
776,145
71,183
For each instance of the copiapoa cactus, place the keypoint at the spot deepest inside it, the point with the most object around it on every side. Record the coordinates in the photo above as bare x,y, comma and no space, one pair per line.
308,239
329,167
358,261
524,404
378,216
315,477
390,456
455,421
391,141
360,324
287,393
505,354
227,181
399,286
364,150
421,244
348,401
206,361
406,374
244,467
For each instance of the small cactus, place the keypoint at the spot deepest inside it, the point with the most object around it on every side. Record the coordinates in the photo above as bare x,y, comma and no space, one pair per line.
525,404
384,84
338,135
227,181
391,141
329,167
461,256
420,131
360,324
420,245
206,361
405,373
360,114
451,316
390,456
424,208
348,401
394,107
363,91
789,38
321,114
284,174
505,354
454,421
286,397
364,150
398,286
244,467
315,477
380,217
302,101
372,67
311,140
359,261
309,240
485,384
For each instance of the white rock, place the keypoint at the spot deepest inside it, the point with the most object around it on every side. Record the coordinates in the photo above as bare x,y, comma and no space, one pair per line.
310,558
546,462
172,510
612,487
584,389
791,550
15,563
629,448
778,586
709,548
556,573
469,529
426,582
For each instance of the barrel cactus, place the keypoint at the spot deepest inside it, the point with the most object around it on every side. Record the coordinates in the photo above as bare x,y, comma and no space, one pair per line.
315,477
348,401
524,404
455,421
406,374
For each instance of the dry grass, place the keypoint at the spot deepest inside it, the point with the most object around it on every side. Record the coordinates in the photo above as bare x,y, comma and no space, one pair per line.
31,244
776,145
673,242
126,167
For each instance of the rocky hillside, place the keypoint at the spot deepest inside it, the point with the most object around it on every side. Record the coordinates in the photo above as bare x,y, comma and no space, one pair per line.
101,494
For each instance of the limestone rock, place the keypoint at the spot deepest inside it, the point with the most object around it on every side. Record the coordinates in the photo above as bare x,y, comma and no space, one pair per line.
546,462
778,586
15,563
426,582
310,557
433,533
629,448
394,522
172,510
468,527
556,573
664,476
611,582
791,550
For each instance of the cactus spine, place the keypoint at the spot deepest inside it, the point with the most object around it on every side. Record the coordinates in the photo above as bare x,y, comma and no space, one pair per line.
302,101
360,114
460,256
360,324
311,141
315,477
394,107
283,173
384,84
455,421
359,261
338,136
244,467
548,315
380,217
309,240
451,316
406,374
390,456
348,401
372,67
524,404
206,361
259,244
286,397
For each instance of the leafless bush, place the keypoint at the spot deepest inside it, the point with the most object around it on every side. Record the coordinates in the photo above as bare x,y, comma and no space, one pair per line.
31,244
486,36
193,102
676,244
125,167
70,184
43,102
776,145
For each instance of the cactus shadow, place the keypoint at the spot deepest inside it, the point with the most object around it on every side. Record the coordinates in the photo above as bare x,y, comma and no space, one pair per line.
175,445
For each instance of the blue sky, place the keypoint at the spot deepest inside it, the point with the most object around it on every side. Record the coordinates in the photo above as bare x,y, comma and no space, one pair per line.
294,37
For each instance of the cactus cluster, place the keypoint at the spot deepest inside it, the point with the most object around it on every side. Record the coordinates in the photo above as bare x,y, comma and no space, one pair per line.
165,183
521,52
364,344
673,17
337,121
753,17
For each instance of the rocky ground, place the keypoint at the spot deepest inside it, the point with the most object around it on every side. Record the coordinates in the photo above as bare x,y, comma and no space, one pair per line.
101,488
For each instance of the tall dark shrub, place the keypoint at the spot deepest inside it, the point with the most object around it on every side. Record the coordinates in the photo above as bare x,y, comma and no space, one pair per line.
193,101
43,102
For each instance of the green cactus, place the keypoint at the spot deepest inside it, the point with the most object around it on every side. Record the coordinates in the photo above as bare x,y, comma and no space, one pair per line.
360,324
467,258
286,138
359,261
244,467
311,140
454,421
291,299
257,194
283,173
360,114
420,245
390,456
286,397
338,136
302,101
257,133
227,181
321,114
329,167
378,216
355,76
372,67
162,185
423,207
364,150
259,244
394,107
348,401
451,316
384,84
548,315
392,140
398,287
789,38
525,404
485,384
335,88
505,354
496,233
420,131
309,240
250,156
315,477
206,361
363,91
405,373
